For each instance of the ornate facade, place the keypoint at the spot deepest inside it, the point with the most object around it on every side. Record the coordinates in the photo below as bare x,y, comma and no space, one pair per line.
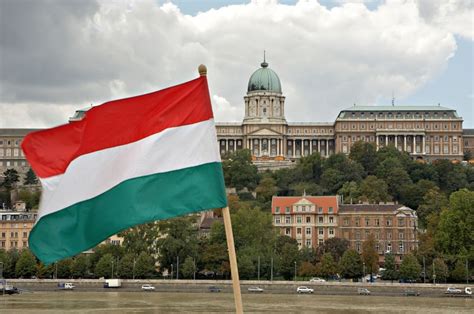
425,132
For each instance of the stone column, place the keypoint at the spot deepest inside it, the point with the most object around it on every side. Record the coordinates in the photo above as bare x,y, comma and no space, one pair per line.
414,144
226,145
404,143
293,148
376,142
259,147
396,142
319,146
327,148
310,147
424,144
386,140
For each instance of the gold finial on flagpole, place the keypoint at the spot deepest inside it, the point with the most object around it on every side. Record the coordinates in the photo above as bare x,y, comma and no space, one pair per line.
202,70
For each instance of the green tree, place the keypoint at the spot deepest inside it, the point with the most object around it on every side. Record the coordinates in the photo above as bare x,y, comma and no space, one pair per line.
30,178
31,198
365,154
459,273
328,267
126,266
145,266
288,257
455,234
335,246
103,268
11,178
307,269
26,265
440,270
266,189
433,201
410,268
189,267
390,272
350,192
141,238
310,188
10,260
64,268
351,265
393,172
239,172
246,266
374,190
369,255
80,266
180,240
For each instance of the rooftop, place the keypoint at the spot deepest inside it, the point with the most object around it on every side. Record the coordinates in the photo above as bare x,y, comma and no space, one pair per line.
398,108
320,201
348,208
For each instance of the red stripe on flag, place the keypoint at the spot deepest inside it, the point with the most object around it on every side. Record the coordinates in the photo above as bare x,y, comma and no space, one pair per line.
117,123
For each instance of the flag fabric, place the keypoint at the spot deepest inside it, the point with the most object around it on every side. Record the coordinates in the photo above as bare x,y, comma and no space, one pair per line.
127,162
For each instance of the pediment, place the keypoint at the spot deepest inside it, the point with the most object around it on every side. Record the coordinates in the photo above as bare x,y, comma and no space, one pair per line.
303,201
265,132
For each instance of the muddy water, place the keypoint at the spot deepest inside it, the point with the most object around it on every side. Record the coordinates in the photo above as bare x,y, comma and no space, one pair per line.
168,302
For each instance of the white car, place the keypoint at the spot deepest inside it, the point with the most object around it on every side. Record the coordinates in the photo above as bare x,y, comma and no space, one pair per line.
452,290
317,279
148,287
304,289
255,289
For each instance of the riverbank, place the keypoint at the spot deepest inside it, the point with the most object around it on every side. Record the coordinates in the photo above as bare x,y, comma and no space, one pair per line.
270,287
172,302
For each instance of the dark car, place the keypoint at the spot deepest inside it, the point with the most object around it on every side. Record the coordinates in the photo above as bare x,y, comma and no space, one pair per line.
413,293
214,289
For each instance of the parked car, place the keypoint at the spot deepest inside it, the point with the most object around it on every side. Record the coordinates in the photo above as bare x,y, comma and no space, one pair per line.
66,286
363,291
413,293
148,287
452,290
255,289
303,289
317,279
214,289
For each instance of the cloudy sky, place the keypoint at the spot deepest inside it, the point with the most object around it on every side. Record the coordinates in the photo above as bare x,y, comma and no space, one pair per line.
58,56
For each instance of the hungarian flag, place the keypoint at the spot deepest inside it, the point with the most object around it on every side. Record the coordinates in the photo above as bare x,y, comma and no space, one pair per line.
127,162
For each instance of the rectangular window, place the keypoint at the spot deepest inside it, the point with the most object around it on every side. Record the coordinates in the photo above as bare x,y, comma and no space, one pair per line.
367,221
287,209
320,231
367,233
389,222
277,209
389,247
277,220
377,222
25,234
330,210
298,230
401,248
320,219
331,231
287,219
400,235
308,242
308,231
389,235
320,242
298,219
346,222
287,231
320,210
308,219
357,235
401,222
357,222
358,247
331,219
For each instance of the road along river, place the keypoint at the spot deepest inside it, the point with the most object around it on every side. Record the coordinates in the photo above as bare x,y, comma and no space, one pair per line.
206,302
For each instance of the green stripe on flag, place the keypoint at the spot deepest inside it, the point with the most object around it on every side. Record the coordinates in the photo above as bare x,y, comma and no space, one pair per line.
81,226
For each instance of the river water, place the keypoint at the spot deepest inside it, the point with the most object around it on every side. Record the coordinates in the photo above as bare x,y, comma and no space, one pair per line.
171,302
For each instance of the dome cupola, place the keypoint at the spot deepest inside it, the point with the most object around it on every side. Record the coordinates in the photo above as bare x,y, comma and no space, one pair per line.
264,80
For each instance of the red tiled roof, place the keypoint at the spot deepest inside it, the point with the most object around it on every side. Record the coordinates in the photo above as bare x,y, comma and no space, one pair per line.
320,201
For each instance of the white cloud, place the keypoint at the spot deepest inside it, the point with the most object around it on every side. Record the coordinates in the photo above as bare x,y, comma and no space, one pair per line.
326,59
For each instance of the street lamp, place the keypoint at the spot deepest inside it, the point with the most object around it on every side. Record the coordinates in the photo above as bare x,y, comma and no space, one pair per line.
363,272
295,272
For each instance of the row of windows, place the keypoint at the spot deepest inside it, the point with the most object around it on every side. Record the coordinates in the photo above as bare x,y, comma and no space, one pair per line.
11,152
10,142
308,231
299,219
9,163
363,126
387,247
13,244
14,234
309,131
373,222
377,234
401,114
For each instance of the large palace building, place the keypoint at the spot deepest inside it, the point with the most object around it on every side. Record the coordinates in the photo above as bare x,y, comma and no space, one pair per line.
425,132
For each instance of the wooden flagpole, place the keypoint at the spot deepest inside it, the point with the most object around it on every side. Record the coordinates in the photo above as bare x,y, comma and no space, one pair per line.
233,260
234,271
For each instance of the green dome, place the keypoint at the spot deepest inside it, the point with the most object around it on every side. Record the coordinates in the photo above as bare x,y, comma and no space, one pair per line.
264,79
